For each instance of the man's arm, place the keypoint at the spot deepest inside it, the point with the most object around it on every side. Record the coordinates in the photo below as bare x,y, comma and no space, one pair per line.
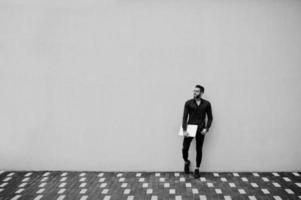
185,115
209,116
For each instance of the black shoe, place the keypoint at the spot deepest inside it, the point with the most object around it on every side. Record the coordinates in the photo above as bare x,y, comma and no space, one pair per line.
186,167
196,173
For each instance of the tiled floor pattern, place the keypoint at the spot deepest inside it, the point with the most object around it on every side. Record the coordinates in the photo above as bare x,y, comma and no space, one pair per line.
62,185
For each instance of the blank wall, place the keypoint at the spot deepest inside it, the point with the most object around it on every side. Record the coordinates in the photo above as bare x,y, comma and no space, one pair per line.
101,85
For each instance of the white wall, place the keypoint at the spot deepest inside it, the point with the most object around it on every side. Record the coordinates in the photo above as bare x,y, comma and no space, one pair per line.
101,85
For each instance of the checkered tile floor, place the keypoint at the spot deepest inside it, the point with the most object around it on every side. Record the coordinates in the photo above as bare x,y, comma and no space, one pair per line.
59,185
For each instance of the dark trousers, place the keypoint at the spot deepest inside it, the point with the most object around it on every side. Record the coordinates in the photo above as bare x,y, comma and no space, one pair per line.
199,146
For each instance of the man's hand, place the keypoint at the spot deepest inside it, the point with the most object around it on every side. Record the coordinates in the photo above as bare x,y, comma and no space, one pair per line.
204,131
186,134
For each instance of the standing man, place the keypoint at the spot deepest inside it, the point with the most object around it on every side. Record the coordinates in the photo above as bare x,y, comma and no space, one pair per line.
197,108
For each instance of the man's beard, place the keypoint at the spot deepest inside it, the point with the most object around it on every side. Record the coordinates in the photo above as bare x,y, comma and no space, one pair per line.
197,96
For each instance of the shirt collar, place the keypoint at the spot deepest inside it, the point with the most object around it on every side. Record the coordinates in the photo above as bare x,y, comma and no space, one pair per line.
196,102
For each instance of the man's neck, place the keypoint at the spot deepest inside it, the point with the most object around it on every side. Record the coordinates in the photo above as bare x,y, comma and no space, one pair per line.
198,99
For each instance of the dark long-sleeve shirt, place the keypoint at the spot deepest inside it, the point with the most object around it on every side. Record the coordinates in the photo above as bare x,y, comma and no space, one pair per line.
197,113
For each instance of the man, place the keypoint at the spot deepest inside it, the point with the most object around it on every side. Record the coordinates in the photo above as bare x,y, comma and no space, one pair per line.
196,108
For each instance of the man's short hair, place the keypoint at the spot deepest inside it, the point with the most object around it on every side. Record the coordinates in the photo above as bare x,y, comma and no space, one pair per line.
202,89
